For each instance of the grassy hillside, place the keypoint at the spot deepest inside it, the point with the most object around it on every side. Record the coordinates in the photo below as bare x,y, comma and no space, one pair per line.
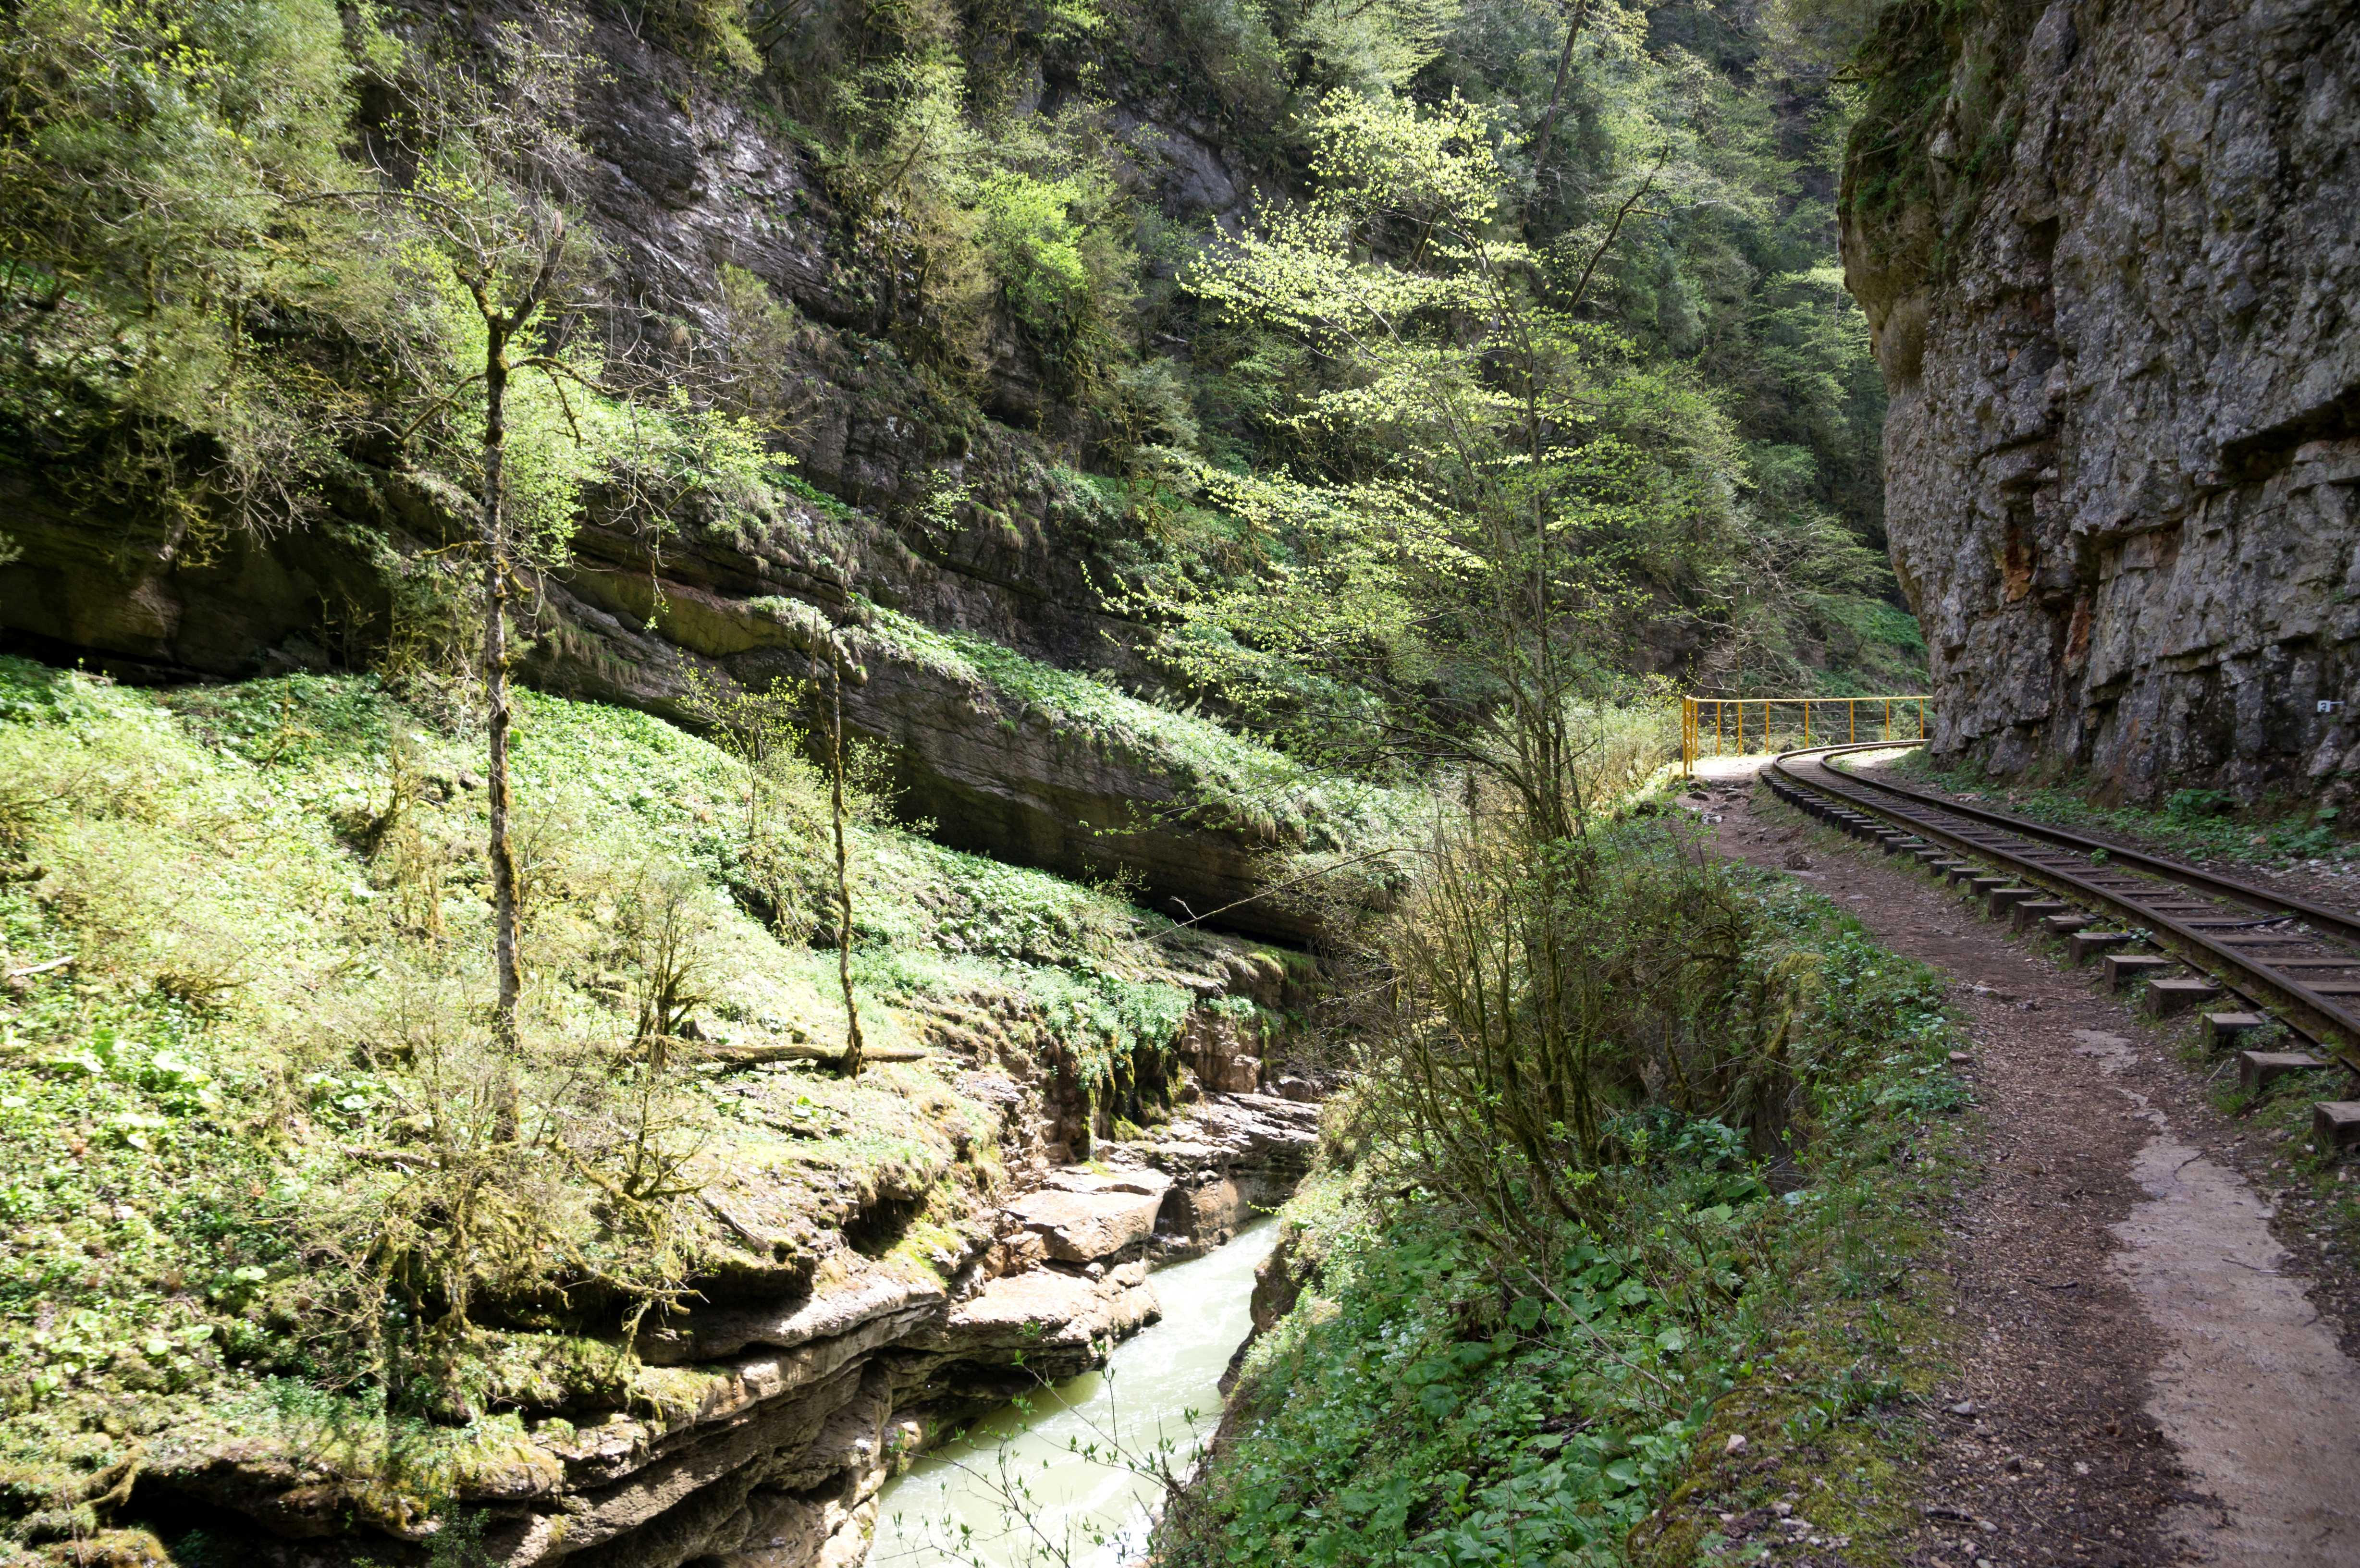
261,1150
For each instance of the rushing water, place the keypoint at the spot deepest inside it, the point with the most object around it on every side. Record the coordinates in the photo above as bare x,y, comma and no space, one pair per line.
1016,1482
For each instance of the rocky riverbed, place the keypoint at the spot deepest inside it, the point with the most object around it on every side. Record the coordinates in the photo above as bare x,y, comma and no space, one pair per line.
757,1434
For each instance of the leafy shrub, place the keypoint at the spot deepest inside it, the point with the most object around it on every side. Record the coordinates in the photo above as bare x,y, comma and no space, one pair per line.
2196,805
1435,1397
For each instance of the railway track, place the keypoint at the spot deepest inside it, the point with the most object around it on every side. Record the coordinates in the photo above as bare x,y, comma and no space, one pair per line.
2247,955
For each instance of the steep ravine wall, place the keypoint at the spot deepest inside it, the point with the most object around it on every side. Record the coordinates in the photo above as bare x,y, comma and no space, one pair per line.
682,181
759,1430
2112,262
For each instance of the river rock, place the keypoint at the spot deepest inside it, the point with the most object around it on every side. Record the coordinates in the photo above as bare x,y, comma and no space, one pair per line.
829,1318
674,1508
1276,1288
1014,1253
1085,1227
1228,1157
1057,1324
1214,1045
1144,1180
819,1513
1279,1281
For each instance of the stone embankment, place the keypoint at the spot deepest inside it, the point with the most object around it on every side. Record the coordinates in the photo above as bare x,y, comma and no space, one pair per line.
758,1434
2110,264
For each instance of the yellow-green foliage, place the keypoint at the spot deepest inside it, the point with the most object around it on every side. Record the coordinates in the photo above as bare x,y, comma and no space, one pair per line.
157,166
253,1122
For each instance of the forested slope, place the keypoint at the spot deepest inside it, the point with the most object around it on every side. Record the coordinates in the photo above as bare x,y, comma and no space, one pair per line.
948,265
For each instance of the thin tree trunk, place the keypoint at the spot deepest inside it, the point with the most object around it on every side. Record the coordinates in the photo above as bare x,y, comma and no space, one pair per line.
495,685
849,1064
1556,93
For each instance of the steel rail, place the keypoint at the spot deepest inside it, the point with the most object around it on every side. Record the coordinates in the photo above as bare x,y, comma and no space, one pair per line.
2343,924
2325,1019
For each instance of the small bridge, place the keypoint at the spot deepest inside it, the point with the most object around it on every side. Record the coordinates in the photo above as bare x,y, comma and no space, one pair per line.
1724,725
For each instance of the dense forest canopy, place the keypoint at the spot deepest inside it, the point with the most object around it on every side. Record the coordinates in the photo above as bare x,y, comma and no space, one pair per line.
1249,254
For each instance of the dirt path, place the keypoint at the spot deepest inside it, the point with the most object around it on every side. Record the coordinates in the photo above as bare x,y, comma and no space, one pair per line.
2139,1377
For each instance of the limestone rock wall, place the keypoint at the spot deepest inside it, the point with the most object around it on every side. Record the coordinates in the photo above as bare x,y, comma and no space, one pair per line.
2114,278
760,1431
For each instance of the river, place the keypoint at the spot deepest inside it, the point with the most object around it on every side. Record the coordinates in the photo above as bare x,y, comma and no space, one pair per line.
1017,1483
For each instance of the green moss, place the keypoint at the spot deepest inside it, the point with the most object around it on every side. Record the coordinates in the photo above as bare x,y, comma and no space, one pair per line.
1230,779
1927,65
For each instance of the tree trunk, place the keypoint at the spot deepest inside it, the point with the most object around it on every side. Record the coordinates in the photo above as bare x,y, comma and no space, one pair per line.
849,1064
495,685
1556,93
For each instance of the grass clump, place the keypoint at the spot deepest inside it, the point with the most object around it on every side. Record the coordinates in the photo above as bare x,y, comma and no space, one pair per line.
2195,824
1441,1394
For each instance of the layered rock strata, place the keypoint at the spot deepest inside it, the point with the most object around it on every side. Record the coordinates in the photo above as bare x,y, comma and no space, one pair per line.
2112,271
758,1434
682,181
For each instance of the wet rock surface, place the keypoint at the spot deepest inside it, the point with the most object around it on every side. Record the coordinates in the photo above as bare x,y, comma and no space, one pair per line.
2111,295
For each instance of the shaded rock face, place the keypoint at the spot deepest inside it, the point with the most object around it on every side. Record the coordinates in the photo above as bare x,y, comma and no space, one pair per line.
2123,455
995,776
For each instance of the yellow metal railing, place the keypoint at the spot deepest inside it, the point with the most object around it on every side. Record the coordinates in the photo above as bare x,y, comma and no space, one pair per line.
1723,723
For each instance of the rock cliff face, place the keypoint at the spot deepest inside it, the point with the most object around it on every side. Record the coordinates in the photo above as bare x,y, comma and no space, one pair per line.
683,181
2113,267
757,1433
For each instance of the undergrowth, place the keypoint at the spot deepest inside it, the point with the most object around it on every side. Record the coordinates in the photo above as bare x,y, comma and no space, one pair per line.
260,1148
1427,1401
2198,824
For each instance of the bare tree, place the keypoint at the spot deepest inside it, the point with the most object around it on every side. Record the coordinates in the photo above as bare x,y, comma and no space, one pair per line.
469,167
850,1062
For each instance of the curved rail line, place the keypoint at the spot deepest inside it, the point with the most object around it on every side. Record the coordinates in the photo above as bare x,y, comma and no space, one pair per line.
2299,959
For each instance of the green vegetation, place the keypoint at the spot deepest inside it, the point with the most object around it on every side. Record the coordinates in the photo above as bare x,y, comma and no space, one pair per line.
1429,371
2316,1198
233,310
2194,824
1928,138
1215,774
367,1108
1441,1393
267,1152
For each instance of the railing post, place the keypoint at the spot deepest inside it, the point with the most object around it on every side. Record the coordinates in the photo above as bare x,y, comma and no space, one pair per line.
1726,742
